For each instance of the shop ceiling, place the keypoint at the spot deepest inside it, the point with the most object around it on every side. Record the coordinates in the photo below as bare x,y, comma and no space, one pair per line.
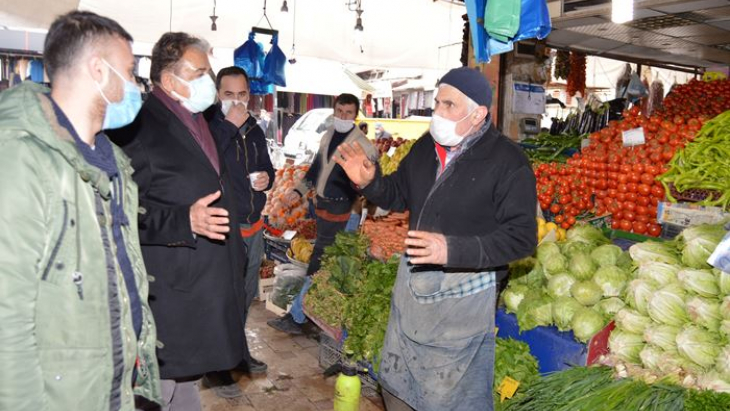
397,33
682,33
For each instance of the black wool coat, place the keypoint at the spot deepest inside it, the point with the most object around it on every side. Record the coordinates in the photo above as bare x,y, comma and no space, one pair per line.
197,293
484,202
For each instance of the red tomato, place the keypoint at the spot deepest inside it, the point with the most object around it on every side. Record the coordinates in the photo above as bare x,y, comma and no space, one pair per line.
639,227
647,179
629,206
632,187
631,197
642,200
616,224
641,210
621,197
623,188
555,208
571,220
629,215
644,189
642,218
654,230
565,225
559,218
626,225
657,191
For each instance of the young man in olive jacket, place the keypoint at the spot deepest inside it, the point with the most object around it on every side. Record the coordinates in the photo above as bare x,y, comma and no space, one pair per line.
76,332
472,201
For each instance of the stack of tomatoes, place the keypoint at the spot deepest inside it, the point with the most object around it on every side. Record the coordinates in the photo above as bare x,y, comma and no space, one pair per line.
607,177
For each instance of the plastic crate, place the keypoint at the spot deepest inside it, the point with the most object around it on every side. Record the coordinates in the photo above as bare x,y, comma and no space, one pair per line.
330,353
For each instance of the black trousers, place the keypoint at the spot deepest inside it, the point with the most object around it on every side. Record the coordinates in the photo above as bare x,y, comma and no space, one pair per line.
326,232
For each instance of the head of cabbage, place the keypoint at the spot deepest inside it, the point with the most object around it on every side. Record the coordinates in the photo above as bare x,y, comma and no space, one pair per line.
570,248
612,280
701,282
699,242
638,294
654,251
610,306
587,234
667,305
607,254
723,280
564,308
586,292
626,346
632,321
651,357
661,273
698,345
547,250
705,312
513,296
582,266
586,323
662,335
535,311
559,285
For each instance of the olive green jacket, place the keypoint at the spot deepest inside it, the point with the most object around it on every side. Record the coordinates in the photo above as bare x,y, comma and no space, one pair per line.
66,336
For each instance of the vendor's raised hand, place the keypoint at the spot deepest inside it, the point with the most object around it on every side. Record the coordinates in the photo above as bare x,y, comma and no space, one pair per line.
352,158
207,221
238,114
427,248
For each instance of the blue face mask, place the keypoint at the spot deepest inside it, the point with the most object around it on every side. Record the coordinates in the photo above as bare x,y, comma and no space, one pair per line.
202,93
121,113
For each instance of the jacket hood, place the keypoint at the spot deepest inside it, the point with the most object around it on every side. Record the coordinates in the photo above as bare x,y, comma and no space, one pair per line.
27,111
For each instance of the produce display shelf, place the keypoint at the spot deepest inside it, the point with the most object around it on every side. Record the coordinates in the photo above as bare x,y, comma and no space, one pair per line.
555,350
568,152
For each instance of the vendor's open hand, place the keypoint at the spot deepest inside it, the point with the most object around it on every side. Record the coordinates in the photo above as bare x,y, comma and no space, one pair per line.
261,182
427,248
352,159
206,221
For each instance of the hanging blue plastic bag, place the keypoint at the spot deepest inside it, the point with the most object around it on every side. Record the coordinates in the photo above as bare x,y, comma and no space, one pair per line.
249,56
274,64
475,12
534,20
502,19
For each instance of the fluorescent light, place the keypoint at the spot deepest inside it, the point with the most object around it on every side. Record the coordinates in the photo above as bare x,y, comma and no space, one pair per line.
622,11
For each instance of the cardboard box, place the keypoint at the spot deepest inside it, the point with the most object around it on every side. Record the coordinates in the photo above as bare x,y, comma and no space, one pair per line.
687,215
266,286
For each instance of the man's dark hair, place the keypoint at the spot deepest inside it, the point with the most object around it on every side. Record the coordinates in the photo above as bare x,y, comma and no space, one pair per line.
230,71
345,99
363,125
168,51
71,33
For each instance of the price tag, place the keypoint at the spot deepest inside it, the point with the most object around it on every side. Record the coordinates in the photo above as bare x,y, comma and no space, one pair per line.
585,142
508,388
633,137
391,151
720,258
288,235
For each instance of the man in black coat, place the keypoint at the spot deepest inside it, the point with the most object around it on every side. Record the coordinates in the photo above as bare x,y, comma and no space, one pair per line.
246,156
187,227
472,201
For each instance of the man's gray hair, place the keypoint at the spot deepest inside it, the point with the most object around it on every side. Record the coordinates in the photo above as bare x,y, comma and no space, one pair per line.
168,51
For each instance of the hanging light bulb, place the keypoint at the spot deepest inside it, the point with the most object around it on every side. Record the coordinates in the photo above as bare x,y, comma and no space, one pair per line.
358,22
622,11
284,7
213,18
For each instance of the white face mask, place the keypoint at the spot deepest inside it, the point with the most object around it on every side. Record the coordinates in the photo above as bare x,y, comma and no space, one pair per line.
227,104
343,126
444,130
202,93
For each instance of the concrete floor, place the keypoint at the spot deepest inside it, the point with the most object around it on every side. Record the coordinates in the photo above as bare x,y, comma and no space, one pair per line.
294,381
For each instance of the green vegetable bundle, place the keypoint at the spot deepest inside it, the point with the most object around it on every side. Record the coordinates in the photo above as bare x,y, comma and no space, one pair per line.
512,359
703,164
596,388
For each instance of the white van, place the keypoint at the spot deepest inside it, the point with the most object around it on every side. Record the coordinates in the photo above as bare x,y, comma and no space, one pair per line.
305,134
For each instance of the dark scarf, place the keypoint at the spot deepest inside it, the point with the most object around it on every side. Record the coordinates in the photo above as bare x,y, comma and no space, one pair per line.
102,157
